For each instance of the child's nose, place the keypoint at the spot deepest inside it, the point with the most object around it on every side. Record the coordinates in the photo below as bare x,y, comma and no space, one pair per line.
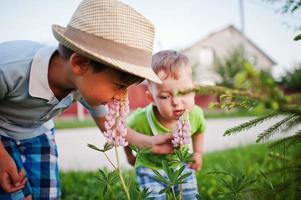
175,101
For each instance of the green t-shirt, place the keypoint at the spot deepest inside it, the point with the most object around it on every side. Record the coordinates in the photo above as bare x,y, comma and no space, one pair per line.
138,122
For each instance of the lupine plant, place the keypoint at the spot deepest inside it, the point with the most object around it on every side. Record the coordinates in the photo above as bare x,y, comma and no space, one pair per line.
115,133
115,136
174,167
182,132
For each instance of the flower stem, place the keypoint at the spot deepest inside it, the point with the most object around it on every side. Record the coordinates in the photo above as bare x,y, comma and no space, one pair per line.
110,160
120,175
180,193
173,193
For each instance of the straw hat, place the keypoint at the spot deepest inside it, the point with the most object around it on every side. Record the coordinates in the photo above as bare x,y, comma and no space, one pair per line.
112,33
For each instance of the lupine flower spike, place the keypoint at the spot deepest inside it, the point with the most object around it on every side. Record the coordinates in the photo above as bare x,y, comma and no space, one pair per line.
116,122
181,133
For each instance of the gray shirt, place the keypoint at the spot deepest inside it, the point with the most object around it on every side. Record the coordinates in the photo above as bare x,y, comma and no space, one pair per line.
26,100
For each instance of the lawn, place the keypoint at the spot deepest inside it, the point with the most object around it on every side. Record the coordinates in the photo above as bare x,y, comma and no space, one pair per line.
245,162
64,123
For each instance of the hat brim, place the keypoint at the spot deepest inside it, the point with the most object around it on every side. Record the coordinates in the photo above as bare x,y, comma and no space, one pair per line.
83,49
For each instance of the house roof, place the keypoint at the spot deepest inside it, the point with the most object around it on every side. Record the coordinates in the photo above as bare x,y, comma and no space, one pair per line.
232,29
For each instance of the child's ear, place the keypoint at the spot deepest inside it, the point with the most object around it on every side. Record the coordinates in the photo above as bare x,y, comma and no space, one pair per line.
149,96
79,64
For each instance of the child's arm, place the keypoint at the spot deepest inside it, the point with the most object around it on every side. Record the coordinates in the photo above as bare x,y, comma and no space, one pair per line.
129,155
198,142
10,179
159,144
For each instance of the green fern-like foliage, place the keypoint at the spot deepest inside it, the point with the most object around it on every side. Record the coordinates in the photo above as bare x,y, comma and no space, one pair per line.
256,90
250,124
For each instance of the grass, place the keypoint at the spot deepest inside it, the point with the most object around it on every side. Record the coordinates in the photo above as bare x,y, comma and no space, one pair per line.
250,159
63,123
216,114
73,123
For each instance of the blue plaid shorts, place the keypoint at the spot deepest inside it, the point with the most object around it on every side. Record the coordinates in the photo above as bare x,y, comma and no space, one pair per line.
146,179
38,158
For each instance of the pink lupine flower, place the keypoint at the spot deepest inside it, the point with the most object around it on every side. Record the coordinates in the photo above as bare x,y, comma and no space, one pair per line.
181,133
116,123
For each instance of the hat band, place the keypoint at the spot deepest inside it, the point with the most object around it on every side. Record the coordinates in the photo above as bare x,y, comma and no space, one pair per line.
96,45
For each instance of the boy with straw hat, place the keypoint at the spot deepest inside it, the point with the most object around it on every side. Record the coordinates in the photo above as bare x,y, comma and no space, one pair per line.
106,47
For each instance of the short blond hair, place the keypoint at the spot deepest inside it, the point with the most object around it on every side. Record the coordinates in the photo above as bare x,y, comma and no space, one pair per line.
170,63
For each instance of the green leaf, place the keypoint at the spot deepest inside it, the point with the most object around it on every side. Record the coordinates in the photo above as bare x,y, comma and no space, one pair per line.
145,193
298,37
167,169
181,178
140,150
179,172
240,79
182,155
94,147
107,147
275,105
160,178
165,190
107,180
259,109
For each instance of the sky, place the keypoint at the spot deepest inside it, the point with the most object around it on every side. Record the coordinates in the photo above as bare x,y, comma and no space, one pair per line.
178,23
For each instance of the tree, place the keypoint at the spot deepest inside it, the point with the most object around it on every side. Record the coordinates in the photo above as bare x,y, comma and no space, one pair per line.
229,66
289,7
291,81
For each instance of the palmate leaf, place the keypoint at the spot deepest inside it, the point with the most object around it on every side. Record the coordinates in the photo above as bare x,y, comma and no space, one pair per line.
165,190
168,170
180,179
160,178
179,172
174,177
182,156
136,194
140,150
250,124
237,184
145,193
106,147
107,180
275,128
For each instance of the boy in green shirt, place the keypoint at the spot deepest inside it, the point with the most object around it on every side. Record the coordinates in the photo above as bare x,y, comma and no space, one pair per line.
175,71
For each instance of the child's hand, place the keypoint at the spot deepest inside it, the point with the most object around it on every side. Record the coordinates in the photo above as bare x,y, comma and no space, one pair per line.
131,159
197,164
161,144
10,179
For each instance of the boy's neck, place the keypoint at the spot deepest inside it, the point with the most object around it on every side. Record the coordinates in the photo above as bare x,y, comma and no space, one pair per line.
58,77
170,124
